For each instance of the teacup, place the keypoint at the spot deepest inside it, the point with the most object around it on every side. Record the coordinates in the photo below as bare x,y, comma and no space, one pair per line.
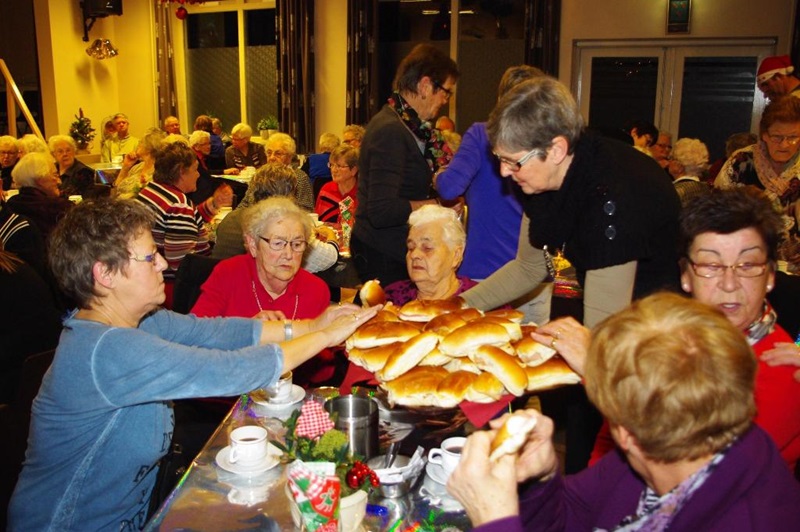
248,445
281,391
448,455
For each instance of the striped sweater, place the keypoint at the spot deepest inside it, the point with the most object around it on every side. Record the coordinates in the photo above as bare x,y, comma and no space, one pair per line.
179,228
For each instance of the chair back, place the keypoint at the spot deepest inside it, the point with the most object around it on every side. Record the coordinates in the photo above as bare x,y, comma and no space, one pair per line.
192,273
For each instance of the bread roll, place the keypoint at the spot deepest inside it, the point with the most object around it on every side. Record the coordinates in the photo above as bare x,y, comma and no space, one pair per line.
513,328
381,333
503,366
372,359
372,294
417,387
531,352
426,310
435,358
326,233
444,324
476,333
485,389
462,364
511,436
408,355
455,387
506,314
552,373
468,314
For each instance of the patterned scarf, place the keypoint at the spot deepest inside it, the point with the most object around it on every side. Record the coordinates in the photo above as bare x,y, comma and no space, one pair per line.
762,326
437,152
777,185
654,513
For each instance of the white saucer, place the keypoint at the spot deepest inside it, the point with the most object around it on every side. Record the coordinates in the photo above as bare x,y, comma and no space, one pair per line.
269,461
436,473
436,493
260,397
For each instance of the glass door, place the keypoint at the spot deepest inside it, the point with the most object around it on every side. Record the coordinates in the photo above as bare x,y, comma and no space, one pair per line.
702,90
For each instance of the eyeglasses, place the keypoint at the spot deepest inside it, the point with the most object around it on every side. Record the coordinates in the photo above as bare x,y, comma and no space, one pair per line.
279,244
339,166
151,258
517,165
745,269
780,139
441,87
8,153
238,139
279,153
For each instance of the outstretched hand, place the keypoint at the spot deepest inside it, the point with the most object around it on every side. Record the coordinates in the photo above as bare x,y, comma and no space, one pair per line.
569,337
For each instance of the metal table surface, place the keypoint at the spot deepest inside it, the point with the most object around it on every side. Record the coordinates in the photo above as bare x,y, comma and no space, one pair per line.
209,498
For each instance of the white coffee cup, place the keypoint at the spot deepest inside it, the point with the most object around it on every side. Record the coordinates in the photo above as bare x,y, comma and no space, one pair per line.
448,455
281,391
248,445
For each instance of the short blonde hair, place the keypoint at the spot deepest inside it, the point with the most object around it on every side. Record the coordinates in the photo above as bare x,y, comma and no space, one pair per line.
452,230
284,141
243,130
676,374
258,217
692,154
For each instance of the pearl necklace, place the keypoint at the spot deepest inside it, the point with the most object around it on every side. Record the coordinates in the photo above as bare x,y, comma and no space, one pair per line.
258,301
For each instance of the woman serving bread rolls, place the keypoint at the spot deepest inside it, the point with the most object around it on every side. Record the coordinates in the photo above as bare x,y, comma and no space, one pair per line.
690,457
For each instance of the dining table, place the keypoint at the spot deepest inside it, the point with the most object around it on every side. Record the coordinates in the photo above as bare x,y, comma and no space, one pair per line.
210,498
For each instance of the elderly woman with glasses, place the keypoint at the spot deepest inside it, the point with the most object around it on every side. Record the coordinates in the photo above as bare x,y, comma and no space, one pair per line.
344,170
268,281
606,206
103,416
729,241
243,152
400,152
675,380
773,165
281,149
39,197
9,155
76,177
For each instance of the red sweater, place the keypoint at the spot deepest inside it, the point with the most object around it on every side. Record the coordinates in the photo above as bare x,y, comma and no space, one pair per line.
777,404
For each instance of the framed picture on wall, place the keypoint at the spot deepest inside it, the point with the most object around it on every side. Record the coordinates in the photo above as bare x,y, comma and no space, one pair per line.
678,13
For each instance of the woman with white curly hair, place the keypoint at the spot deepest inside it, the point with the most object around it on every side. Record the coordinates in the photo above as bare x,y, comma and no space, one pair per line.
689,162
435,242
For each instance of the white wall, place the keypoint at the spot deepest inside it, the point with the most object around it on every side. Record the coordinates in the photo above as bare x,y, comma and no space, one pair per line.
70,79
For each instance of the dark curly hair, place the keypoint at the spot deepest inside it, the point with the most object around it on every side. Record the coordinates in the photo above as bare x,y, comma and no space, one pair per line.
95,231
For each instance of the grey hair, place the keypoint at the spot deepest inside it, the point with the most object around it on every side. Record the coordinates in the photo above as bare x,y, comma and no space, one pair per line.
284,140
532,114
355,129
242,129
692,154
270,180
452,230
257,218
8,140
55,139
198,136
32,144
328,141
32,167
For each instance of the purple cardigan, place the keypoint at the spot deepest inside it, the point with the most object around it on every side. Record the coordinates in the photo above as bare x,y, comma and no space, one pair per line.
751,489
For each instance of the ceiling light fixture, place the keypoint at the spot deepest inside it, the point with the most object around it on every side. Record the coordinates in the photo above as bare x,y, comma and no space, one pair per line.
102,49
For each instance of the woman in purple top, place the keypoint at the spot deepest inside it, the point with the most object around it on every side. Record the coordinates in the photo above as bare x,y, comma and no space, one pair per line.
435,248
675,379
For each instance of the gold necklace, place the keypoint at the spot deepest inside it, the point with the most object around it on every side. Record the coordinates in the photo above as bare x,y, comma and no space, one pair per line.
258,301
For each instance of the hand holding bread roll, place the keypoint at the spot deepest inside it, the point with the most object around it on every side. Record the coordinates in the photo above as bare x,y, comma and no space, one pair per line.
512,435
372,294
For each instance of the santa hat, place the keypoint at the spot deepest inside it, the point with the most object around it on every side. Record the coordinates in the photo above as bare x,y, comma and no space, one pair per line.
778,64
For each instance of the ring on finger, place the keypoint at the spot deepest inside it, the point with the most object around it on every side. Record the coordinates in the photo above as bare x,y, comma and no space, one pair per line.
557,334
355,317
553,343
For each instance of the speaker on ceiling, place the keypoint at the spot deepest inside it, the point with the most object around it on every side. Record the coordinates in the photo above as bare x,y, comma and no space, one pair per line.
101,8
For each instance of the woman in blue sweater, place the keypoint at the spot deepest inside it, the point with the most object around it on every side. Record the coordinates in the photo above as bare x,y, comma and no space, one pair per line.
103,418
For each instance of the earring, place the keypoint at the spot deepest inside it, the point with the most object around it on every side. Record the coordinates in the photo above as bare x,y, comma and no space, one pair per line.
769,287
685,287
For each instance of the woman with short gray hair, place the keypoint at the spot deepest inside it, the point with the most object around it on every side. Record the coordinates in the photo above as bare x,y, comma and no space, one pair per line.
39,197
243,152
76,177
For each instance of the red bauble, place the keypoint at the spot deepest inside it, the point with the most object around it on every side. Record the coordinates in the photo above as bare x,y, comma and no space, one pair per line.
181,13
